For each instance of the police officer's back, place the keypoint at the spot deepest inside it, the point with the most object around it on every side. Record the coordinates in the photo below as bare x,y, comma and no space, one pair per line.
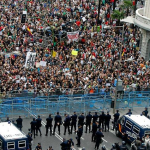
73,121
79,134
107,120
102,119
116,117
95,117
33,126
88,122
58,122
49,124
99,136
94,130
81,119
19,122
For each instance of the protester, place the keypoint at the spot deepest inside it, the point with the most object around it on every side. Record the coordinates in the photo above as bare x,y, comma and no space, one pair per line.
67,66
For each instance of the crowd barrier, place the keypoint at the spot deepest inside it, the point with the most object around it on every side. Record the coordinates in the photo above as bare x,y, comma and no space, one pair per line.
44,105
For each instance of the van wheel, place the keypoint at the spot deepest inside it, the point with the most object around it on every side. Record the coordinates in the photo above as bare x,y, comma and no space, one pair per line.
117,133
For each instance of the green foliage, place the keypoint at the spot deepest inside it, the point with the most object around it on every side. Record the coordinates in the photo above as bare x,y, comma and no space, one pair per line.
117,15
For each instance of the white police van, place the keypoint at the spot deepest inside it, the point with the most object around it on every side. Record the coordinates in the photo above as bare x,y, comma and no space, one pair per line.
11,138
133,125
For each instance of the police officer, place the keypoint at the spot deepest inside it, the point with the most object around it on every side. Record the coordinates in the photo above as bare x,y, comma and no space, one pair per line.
67,123
95,117
64,144
49,124
145,112
116,117
101,120
38,125
38,147
33,126
30,140
88,122
58,122
107,120
94,130
123,146
81,119
79,134
19,122
7,120
70,144
129,112
99,136
73,121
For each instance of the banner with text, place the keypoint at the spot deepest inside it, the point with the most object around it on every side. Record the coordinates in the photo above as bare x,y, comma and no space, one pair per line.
73,36
30,59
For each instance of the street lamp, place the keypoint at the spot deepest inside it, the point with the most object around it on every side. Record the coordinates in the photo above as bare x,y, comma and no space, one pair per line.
98,11
115,100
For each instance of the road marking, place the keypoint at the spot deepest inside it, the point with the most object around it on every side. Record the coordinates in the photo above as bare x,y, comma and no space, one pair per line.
104,140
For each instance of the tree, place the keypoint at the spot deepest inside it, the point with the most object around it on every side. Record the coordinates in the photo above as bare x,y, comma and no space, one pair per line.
117,15
127,4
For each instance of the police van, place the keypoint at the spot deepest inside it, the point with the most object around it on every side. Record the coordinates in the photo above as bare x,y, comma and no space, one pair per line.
134,126
11,138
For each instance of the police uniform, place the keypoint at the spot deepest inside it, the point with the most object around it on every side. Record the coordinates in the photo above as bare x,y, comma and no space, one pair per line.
99,136
67,124
30,140
19,123
129,112
95,117
107,120
49,124
101,120
73,122
88,122
79,134
58,122
94,130
116,117
33,126
145,112
81,120
38,125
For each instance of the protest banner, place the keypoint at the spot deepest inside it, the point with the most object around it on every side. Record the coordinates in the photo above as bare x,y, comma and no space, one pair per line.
30,59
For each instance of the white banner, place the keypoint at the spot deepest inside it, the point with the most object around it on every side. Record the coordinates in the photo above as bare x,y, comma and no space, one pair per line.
30,59
73,35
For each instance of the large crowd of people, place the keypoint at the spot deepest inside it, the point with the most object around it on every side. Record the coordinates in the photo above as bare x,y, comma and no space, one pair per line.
95,66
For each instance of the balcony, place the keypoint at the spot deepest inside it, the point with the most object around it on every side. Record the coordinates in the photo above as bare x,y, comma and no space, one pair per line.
142,21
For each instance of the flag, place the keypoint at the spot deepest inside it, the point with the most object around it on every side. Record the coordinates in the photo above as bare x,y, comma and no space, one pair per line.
73,35
74,53
54,54
109,45
30,33
98,29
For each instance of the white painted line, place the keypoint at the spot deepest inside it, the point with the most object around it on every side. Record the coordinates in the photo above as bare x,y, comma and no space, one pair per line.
104,140
82,138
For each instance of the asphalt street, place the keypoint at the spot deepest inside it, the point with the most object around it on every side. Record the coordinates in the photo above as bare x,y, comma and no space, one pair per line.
55,141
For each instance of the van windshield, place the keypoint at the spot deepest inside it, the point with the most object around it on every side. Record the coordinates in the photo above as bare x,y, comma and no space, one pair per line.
147,133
